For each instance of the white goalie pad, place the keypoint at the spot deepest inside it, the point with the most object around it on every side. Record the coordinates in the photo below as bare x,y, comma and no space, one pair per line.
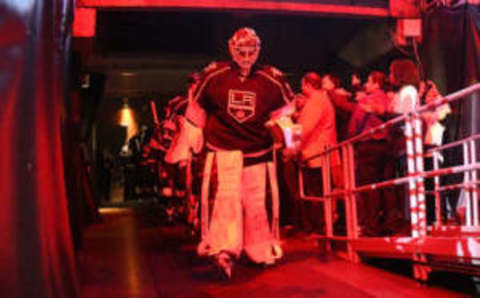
188,137
239,219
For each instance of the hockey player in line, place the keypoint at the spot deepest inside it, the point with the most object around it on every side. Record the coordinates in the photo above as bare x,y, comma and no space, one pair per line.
232,103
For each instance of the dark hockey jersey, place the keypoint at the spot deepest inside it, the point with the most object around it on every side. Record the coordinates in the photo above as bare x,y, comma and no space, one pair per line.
238,109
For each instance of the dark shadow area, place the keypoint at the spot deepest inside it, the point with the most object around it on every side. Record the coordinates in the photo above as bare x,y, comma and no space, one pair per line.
452,281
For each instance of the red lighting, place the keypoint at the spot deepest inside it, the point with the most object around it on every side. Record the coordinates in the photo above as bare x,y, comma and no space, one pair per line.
84,22
242,4
412,27
404,9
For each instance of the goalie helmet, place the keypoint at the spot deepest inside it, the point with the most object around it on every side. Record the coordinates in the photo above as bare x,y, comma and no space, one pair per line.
244,47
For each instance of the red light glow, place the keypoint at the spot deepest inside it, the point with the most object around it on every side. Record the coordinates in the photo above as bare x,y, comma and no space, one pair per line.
84,22
242,4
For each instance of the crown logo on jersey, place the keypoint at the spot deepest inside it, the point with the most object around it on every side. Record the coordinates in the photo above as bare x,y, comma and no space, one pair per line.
241,104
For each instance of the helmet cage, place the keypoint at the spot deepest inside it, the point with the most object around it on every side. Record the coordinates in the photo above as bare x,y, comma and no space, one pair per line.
244,47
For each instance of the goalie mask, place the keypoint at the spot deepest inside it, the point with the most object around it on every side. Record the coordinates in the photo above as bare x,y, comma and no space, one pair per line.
244,47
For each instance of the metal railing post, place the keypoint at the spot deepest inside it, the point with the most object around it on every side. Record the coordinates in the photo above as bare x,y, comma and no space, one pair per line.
412,194
327,205
351,197
423,269
473,160
438,206
466,182
348,203
420,183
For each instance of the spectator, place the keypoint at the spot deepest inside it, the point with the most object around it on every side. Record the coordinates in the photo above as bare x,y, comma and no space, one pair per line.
341,100
404,72
317,118
373,156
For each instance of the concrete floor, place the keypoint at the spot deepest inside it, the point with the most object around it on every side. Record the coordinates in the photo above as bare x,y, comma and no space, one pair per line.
133,253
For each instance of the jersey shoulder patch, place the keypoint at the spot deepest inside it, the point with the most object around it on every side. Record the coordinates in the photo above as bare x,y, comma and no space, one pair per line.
276,76
213,66
212,70
273,71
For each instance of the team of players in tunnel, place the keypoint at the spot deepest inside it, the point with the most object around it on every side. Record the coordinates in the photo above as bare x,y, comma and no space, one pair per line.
217,144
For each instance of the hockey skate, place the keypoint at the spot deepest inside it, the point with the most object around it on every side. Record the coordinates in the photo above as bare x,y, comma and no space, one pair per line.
224,263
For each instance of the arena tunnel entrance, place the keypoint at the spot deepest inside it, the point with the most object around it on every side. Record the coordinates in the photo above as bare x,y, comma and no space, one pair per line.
141,56
147,56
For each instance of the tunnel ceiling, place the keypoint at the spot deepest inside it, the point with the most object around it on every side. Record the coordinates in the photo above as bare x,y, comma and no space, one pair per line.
153,51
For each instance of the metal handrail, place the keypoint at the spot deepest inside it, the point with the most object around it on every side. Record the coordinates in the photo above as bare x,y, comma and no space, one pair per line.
415,179
452,145
436,103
